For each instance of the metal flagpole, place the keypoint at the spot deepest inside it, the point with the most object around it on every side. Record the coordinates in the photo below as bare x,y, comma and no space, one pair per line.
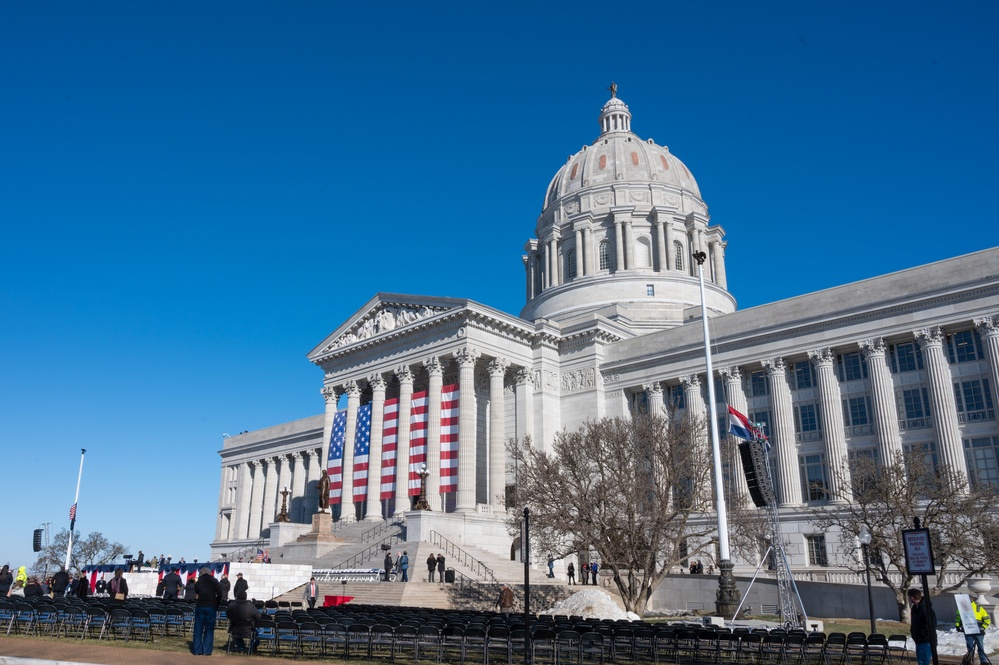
728,594
72,517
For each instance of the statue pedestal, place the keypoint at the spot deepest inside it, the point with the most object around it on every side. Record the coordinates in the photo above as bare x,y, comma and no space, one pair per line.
322,523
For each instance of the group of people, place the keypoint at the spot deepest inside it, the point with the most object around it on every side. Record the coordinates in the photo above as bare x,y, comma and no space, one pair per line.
586,571
401,566
22,585
435,564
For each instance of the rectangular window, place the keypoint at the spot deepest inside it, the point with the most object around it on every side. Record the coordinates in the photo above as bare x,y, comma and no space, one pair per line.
650,289
856,411
928,451
817,550
762,420
914,409
806,418
570,267
804,377
813,477
982,456
906,357
758,384
675,397
851,366
974,401
964,346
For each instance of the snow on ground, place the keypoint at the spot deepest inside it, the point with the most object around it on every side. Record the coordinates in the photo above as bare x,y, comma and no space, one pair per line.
591,604
950,641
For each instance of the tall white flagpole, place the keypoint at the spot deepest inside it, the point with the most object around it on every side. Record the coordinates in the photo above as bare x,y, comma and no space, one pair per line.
76,499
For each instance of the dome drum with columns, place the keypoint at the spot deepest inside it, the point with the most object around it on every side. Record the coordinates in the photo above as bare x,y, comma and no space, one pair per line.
611,327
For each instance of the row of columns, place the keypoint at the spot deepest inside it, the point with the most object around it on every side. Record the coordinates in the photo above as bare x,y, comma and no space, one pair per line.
465,496
258,483
885,413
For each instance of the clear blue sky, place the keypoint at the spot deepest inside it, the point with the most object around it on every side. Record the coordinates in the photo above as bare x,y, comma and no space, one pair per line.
192,195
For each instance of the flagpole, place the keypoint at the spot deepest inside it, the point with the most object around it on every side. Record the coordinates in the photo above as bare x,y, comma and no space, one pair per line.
728,594
72,519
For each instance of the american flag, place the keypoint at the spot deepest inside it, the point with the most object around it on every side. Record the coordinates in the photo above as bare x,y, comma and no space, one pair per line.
72,512
417,440
335,457
449,438
390,442
362,442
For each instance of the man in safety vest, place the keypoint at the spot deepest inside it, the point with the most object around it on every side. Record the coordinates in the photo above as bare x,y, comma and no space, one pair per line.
976,639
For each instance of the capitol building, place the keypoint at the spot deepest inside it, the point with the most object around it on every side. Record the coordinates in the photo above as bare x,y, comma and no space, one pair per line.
417,385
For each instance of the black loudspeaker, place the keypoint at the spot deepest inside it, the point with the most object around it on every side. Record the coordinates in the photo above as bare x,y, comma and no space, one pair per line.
754,464
36,542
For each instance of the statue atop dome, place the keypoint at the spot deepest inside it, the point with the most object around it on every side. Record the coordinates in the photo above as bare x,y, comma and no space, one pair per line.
613,89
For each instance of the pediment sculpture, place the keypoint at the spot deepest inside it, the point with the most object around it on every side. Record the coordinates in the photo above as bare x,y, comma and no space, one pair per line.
382,321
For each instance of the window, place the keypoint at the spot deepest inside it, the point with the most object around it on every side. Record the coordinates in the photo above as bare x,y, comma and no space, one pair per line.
804,377
814,486
982,456
964,346
806,418
927,451
762,420
905,357
856,414
570,264
650,290
606,261
974,401
851,366
817,549
758,384
914,407
678,250
675,397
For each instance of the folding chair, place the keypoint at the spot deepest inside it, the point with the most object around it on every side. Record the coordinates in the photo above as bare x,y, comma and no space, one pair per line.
381,641
898,645
47,620
567,647
335,640
119,624
286,632
310,638
498,642
24,619
877,648
591,648
142,625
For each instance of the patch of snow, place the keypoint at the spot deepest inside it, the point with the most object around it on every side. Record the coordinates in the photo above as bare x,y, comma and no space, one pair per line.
591,604
950,641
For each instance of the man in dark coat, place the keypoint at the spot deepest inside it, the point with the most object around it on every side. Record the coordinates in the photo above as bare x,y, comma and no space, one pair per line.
243,616
388,565
59,583
118,586
206,608
224,587
432,566
440,567
923,625
190,592
241,585
171,585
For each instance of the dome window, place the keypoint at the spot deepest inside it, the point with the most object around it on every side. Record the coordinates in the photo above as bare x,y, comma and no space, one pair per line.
575,167
678,250
606,262
662,158
603,161
570,264
634,158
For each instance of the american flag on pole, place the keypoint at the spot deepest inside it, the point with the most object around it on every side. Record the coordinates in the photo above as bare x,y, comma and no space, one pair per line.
449,438
335,457
72,512
390,444
417,440
362,443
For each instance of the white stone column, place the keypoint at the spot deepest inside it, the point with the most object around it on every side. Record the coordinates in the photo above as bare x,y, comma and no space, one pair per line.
524,378
670,249
553,253
270,489
692,395
497,434
256,499
347,512
310,504
735,396
591,258
529,283
942,404
297,486
629,246
373,512
223,489
718,263
654,394
435,371
580,262
831,408
405,376
467,419
788,476
618,245
330,398
661,260
883,397
242,511
988,329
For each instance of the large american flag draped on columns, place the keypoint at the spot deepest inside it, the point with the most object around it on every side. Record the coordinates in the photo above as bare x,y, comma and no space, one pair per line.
334,461
390,444
449,438
362,442
417,440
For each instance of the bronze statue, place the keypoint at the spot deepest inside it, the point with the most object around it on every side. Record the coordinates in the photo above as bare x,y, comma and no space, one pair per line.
613,89
323,489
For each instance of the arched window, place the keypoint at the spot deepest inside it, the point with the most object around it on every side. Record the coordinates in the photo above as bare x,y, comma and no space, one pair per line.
570,264
606,260
678,251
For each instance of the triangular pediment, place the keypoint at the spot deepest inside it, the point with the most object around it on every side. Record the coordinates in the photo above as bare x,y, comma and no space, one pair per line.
383,314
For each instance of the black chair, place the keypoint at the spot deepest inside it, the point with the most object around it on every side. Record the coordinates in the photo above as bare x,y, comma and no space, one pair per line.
750,648
567,646
286,633
475,642
381,641
877,649
898,645
452,643
267,634
591,648
310,638
141,625
856,648
835,651
498,642
335,640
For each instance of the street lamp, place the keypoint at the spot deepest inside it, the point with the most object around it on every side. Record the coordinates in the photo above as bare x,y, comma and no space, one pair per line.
865,539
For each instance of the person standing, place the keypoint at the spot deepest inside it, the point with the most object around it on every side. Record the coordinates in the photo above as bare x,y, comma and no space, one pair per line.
206,608
171,585
311,592
241,585
118,587
571,570
388,565
224,586
6,580
923,624
976,639
551,566
139,560
190,592
404,566
82,586
431,567
440,567
505,600
584,573
60,582
593,572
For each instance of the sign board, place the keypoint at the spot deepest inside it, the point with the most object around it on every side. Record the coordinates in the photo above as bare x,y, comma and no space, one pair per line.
969,623
918,552
524,557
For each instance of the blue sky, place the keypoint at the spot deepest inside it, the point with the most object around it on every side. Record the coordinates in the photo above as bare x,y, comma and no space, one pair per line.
193,195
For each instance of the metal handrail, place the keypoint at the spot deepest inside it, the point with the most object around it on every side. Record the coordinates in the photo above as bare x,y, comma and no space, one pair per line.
368,553
455,553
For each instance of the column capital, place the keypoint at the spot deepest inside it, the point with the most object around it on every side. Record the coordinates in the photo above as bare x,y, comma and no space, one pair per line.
774,366
730,374
306,454
467,355
404,374
873,348
497,366
295,456
523,375
253,463
351,388
821,357
988,326
690,382
930,336
377,382
433,365
655,388
329,394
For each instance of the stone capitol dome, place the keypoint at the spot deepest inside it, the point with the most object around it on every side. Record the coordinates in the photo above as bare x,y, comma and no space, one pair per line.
619,224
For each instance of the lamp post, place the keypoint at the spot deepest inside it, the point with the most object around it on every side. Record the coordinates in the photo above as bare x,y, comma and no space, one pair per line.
865,539
421,502
283,515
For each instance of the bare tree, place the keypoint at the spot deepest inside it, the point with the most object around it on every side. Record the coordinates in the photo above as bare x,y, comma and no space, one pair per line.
626,489
93,550
886,498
